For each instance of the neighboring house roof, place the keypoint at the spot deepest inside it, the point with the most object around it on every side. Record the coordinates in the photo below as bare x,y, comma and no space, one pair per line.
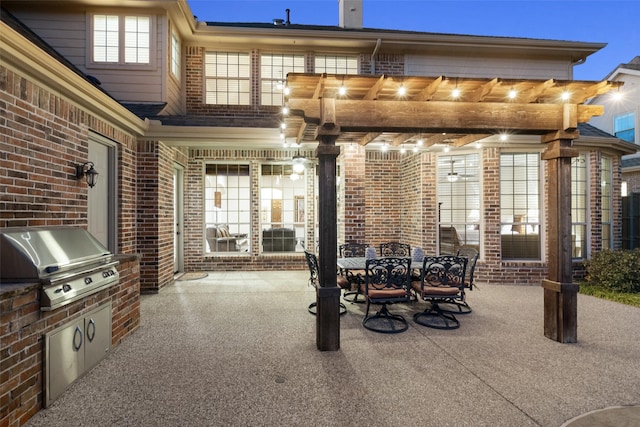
633,162
589,130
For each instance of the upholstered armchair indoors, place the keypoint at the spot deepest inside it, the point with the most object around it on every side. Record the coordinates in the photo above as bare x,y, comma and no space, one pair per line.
221,240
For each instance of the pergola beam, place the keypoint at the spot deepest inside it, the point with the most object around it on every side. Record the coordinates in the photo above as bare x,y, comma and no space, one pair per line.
447,116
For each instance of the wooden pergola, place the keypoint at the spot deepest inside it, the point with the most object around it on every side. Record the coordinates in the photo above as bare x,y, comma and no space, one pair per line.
401,109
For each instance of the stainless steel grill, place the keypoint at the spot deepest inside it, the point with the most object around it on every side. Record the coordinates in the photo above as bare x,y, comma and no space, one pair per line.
68,261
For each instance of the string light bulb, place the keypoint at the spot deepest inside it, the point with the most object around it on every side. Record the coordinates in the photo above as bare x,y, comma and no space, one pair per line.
402,91
512,94
342,90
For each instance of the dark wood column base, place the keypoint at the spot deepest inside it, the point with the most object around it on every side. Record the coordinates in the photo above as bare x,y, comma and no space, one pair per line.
328,318
560,311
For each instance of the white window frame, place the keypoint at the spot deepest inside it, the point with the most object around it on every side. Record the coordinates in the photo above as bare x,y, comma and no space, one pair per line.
579,207
606,201
235,72
518,219
231,206
290,192
176,54
273,73
336,64
459,203
121,46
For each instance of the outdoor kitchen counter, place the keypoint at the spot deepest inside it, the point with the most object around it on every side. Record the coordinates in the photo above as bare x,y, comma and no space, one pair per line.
24,327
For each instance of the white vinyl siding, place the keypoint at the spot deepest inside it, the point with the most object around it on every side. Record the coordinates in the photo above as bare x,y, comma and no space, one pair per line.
478,66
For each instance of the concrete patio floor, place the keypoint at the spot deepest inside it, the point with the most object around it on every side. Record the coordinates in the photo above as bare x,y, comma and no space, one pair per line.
238,348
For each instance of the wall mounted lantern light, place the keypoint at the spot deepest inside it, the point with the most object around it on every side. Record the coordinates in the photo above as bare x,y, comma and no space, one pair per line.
90,173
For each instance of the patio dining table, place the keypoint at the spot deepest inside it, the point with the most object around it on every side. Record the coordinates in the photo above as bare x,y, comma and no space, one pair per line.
360,263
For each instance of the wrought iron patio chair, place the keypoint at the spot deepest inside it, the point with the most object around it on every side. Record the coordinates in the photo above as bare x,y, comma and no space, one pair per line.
387,281
461,306
395,249
442,282
355,277
314,279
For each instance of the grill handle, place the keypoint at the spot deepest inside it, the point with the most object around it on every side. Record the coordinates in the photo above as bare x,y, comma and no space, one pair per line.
78,334
91,330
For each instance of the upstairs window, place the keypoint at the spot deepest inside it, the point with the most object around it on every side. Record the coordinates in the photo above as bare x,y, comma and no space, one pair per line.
273,72
121,39
175,55
336,64
624,126
227,78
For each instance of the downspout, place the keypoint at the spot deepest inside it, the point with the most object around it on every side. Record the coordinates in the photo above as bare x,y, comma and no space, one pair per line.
373,56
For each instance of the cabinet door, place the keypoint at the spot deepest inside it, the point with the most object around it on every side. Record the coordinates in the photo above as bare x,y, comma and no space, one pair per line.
64,358
97,330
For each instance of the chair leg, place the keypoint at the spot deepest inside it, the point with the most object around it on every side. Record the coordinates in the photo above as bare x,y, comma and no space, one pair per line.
434,317
313,308
388,319
457,307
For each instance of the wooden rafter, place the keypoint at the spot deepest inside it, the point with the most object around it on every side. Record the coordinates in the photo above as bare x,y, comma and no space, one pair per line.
427,93
402,138
375,89
468,139
369,137
316,95
480,94
535,92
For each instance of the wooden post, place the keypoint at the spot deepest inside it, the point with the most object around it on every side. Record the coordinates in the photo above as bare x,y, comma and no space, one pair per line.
328,293
560,294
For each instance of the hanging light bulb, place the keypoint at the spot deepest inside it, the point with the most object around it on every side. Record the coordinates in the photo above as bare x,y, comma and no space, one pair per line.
342,90
512,94
420,142
385,147
298,163
566,95
285,110
402,149
415,148
402,91
455,93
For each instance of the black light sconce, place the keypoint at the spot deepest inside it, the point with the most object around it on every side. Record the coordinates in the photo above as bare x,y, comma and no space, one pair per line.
90,174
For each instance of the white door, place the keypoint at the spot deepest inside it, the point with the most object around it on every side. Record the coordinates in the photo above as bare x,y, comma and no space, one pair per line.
101,199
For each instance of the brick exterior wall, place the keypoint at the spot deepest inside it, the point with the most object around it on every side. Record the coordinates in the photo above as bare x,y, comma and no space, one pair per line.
23,329
633,181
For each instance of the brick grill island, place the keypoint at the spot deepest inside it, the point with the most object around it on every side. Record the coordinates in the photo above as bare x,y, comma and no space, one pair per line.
24,326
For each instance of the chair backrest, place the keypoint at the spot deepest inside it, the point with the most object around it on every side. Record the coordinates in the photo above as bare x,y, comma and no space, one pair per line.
395,249
444,270
388,273
472,256
351,250
314,269
449,240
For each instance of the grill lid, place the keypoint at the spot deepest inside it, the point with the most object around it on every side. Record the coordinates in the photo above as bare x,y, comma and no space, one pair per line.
28,253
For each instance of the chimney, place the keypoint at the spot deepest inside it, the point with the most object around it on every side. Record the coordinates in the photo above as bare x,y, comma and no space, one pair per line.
350,13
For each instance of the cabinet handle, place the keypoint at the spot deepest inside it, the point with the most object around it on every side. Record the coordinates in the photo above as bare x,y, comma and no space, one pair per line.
77,334
91,330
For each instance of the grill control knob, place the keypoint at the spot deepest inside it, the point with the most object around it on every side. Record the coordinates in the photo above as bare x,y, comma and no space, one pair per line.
66,288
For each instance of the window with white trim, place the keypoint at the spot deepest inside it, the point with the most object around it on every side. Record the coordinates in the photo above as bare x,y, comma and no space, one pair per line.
227,78
121,39
175,55
458,202
336,64
282,208
606,201
273,73
579,200
520,206
227,207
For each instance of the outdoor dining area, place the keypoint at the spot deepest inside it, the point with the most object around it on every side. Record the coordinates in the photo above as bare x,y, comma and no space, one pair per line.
395,273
